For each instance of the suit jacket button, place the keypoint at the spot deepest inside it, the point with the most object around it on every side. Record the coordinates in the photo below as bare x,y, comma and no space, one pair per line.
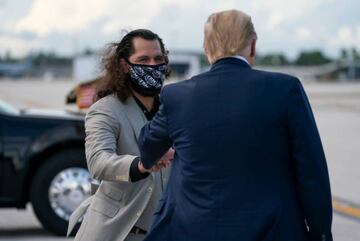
323,237
149,189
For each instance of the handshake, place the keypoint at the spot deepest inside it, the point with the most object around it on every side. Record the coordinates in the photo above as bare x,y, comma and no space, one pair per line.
164,162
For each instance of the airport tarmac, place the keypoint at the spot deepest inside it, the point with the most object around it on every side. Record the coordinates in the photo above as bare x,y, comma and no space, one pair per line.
336,108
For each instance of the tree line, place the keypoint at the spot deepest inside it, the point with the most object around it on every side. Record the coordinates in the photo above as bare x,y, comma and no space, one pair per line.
304,58
307,58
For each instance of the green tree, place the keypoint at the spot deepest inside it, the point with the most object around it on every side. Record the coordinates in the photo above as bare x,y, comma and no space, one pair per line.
272,59
355,54
50,58
315,57
8,58
88,51
203,60
343,54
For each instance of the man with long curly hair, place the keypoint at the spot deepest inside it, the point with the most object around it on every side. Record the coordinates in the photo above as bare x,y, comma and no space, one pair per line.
127,97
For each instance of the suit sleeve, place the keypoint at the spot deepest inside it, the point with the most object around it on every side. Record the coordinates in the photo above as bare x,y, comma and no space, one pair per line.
310,165
102,132
154,138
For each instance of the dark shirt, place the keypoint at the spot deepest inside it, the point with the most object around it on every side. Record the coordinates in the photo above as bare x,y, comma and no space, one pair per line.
135,174
149,114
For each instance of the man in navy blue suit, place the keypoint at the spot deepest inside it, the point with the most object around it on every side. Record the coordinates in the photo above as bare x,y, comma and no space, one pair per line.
249,163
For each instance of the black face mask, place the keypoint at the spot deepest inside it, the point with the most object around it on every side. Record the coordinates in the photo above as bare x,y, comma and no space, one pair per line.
147,80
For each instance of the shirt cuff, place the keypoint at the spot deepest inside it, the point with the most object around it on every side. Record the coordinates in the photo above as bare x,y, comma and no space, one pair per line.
135,174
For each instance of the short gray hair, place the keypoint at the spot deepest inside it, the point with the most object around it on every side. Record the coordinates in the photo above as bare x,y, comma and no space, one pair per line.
227,33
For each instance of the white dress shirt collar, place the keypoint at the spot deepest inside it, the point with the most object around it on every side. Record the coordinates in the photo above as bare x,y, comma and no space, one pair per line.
241,57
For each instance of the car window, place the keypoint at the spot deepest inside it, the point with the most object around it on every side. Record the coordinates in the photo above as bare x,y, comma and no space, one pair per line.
7,109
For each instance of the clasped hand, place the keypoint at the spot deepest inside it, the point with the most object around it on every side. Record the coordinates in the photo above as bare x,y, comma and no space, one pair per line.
164,162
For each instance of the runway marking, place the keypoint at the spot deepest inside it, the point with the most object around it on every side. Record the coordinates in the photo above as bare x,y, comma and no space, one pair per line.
346,208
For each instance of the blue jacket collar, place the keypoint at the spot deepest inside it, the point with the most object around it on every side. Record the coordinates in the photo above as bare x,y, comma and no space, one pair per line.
229,60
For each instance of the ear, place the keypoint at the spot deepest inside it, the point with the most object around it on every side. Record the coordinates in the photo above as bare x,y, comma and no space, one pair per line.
125,66
208,57
252,54
253,48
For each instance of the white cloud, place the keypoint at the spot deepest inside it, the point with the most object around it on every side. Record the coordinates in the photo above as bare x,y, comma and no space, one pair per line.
17,46
275,20
303,33
276,13
282,25
47,16
345,34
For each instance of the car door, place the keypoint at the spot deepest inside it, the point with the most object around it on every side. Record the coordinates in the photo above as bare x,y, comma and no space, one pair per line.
11,175
1,156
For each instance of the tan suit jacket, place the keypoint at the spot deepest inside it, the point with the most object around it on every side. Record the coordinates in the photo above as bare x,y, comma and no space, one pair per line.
112,129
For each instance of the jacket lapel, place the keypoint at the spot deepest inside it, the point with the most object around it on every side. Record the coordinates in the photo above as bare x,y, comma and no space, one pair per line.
135,116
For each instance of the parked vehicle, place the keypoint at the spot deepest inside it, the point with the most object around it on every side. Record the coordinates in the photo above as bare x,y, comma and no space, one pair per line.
83,94
42,161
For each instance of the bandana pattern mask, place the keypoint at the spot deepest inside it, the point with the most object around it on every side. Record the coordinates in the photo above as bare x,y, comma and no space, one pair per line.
149,77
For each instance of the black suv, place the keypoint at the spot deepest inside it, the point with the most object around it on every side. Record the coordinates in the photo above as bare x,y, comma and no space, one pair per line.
42,161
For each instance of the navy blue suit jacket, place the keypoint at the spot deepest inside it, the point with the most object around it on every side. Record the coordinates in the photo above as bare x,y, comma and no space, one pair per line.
249,163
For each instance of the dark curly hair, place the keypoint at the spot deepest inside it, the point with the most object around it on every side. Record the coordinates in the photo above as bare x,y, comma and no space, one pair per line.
115,80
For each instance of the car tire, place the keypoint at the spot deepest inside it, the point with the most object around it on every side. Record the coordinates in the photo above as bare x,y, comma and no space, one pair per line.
59,174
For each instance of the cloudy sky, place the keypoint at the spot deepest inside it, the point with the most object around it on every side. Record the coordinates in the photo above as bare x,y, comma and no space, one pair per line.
69,26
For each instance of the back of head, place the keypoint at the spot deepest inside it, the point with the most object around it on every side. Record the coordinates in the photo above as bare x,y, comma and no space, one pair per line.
228,33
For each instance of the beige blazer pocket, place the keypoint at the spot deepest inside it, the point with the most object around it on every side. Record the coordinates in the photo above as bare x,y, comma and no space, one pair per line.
106,205
111,192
